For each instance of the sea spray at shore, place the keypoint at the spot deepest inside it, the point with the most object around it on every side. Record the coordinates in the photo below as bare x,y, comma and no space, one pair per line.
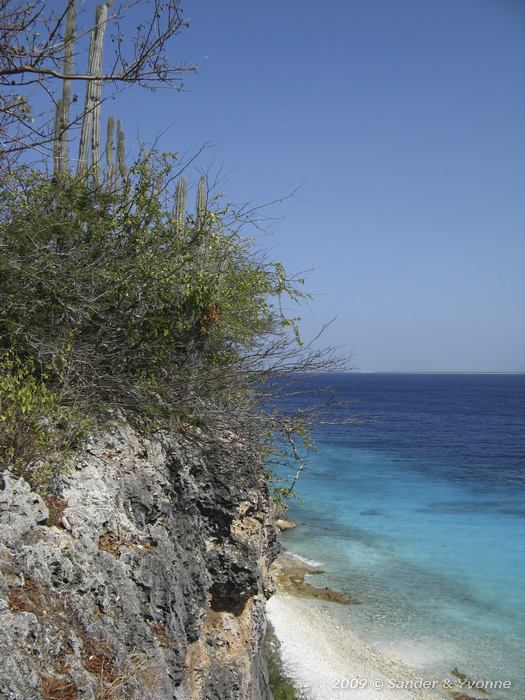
308,562
420,516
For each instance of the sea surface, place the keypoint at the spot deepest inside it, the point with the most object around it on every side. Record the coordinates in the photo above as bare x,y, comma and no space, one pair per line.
418,510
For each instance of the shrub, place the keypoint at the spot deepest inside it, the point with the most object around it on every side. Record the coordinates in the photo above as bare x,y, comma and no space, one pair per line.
110,299
122,306
281,686
36,431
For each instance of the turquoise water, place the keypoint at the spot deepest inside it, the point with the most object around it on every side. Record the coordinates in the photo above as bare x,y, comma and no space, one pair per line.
420,514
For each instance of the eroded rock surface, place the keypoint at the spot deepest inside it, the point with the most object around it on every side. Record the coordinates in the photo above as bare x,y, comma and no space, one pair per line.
145,577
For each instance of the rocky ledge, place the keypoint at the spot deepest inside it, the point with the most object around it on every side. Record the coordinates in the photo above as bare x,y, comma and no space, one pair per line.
144,576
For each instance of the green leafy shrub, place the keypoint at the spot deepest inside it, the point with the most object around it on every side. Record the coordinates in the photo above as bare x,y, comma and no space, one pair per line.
120,304
281,686
37,432
117,299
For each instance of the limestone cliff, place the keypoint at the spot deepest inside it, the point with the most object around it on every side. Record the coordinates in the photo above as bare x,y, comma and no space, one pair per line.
144,577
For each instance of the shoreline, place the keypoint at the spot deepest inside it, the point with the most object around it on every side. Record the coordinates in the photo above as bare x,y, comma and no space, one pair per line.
326,660
289,572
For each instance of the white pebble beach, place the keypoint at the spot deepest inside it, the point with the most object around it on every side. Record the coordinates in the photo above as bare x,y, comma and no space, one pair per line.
326,660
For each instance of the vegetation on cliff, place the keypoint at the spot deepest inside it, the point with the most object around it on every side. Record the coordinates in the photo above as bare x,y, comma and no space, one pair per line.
115,297
111,300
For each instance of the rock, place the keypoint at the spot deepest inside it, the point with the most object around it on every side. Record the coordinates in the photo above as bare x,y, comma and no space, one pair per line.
285,524
153,580
21,510
289,572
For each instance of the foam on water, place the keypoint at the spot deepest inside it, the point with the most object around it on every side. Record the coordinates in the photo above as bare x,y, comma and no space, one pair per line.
309,562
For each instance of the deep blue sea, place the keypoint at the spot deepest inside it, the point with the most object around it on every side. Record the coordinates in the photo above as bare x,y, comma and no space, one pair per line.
418,510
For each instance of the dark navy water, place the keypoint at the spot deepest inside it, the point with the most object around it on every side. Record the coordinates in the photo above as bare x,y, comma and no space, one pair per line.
418,509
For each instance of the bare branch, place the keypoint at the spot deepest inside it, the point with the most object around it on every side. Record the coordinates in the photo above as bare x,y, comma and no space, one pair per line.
36,55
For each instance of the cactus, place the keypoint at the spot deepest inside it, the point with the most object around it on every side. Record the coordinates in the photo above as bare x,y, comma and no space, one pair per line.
87,122
180,203
202,200
109,153
121,152
57,144
101,24
63,107
109,141
90,134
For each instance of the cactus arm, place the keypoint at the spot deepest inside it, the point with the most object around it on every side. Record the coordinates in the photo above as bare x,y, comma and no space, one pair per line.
121,152
90,133
57,143
63,107
87,122
180,204
101,24
202,200
109,153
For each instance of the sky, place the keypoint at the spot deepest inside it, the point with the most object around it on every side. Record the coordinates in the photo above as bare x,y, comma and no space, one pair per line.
402,123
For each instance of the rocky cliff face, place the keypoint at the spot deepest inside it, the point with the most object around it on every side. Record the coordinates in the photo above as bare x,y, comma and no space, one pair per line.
145,577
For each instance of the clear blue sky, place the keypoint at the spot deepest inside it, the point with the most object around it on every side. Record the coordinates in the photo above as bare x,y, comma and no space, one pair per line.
405,120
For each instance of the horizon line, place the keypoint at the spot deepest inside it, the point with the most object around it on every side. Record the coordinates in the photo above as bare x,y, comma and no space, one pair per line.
402,371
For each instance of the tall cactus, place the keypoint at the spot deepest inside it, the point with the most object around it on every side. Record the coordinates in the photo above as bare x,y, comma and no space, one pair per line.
202,200
87,121
101,24
109,153
180,204
57,144
121,152
90,134
63,107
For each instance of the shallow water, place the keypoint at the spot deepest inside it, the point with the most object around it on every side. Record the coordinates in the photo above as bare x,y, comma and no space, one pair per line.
420,514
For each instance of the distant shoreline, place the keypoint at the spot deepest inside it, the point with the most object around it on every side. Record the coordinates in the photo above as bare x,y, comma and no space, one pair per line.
448,374
419,372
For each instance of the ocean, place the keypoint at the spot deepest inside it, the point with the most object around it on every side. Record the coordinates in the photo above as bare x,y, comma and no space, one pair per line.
418,511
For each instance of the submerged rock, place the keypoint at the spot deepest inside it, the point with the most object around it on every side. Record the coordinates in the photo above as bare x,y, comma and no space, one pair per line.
289,573
284,524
